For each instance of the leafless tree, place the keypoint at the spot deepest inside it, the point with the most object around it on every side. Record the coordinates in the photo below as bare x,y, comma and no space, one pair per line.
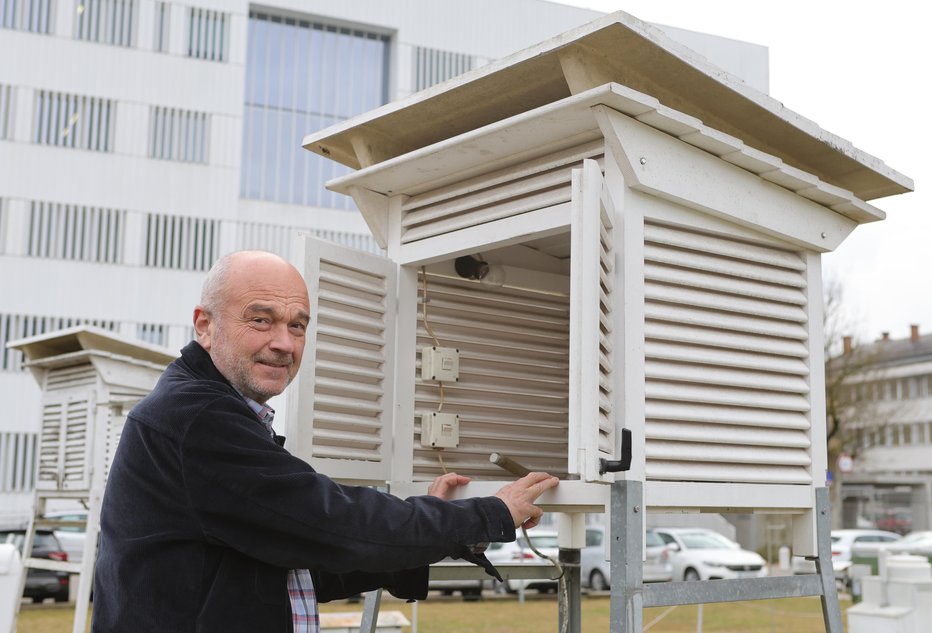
852,380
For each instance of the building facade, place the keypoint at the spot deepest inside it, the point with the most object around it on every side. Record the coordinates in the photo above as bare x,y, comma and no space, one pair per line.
142,139
886,472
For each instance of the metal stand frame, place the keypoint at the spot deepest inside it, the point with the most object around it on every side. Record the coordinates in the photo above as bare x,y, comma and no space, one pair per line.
630,595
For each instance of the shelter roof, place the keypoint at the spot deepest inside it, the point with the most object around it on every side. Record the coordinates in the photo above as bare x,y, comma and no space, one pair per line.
84,338
618,48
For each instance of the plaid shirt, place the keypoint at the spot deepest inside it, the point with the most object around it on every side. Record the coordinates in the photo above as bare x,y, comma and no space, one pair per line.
304,612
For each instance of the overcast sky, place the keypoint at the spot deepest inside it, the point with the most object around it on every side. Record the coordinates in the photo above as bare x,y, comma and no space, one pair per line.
860,70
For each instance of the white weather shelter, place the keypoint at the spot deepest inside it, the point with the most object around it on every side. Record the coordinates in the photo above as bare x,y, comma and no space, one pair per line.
651,229
89,379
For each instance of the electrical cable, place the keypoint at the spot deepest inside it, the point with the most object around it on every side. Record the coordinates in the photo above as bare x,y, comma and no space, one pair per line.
430,332
561,581
440,457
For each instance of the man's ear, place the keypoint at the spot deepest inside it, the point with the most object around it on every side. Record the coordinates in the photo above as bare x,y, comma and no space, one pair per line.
202,323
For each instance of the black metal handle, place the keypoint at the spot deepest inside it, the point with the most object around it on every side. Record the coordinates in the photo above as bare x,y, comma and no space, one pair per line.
618,465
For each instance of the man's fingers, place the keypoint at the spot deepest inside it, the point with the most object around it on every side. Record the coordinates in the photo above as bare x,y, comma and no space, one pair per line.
539,483
443,485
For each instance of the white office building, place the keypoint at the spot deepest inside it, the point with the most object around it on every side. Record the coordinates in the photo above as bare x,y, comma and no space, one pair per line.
141,139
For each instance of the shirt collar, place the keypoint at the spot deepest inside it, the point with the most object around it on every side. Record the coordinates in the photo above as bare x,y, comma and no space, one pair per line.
264,412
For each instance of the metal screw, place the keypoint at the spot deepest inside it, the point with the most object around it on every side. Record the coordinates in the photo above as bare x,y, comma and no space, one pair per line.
823,235
643,160
637,508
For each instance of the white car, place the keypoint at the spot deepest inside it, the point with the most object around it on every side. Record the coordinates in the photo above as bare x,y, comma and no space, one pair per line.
865,541
71,537
518,552
701,554
917,543
596,570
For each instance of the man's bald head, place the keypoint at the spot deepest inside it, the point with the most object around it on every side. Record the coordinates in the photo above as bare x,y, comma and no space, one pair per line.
251,320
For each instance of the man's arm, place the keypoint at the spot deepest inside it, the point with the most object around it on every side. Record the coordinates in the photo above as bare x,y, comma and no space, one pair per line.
253,496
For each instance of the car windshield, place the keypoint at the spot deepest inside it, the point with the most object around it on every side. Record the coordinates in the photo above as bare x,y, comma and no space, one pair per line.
705,540
540,540
653,539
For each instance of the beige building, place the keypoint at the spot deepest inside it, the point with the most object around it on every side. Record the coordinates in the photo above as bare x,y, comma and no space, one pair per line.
888,433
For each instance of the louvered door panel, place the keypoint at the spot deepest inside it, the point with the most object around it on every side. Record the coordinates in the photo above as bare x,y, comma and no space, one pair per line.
592,358
726,361
346,376
511,396
64,440
50,446
77,444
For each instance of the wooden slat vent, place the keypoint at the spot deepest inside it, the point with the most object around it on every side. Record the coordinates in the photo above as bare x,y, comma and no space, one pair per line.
350,363
512,392
63,445
529,186
71,377
727,374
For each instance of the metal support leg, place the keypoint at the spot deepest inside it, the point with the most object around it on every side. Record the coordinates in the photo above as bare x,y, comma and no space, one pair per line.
626,547
831,611
370,611
571,609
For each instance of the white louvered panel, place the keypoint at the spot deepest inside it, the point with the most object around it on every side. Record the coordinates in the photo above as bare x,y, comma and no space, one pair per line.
350,364
722,319
487,198
75,467
723,339
728,434
741,305
726,361
687,372
539,183
71,377
729,472
592,274
674,411
64,444
726,453
736,358
50,446
511,396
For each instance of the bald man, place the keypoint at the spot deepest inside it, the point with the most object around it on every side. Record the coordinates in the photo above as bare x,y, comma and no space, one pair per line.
209,524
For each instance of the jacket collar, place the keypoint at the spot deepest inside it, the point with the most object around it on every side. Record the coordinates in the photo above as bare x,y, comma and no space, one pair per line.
197,360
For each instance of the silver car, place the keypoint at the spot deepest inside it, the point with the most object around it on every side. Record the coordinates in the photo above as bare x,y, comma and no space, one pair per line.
596,571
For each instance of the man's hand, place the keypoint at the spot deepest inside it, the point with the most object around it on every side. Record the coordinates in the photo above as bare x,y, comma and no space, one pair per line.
520,495
444,485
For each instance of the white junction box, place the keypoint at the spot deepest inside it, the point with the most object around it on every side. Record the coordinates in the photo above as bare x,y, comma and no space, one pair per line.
441,364
440,430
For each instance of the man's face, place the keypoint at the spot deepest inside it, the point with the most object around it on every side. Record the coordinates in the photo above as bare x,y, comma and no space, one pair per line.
256,338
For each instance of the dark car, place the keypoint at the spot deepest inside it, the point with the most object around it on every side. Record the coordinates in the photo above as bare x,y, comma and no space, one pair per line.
41,583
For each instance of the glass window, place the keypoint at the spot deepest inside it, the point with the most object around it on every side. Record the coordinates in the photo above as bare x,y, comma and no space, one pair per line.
106,21
302,76
207,34
593,538
180,135
34,16
74,121
7,96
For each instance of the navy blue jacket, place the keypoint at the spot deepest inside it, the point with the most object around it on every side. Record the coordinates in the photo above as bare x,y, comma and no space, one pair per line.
204,513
